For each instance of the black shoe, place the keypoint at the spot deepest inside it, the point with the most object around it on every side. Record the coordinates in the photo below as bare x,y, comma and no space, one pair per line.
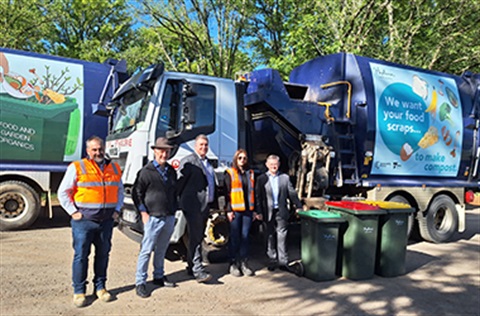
141,291
234,270
189,271
271,267
164,282
203,277
246,269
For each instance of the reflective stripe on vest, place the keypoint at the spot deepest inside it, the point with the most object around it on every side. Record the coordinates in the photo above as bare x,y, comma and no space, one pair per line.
237,200
96,189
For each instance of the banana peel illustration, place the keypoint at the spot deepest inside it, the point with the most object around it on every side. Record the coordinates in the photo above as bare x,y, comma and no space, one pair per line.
432,108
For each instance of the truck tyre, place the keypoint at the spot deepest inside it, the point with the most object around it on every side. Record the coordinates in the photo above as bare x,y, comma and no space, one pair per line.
440,222
19,205
412,230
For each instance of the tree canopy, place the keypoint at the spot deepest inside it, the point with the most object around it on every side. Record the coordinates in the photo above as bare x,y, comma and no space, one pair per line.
225,37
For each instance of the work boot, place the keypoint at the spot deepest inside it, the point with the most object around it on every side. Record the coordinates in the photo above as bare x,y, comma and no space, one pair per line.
141,291
234,270
103,295
203,277
79,300
246,269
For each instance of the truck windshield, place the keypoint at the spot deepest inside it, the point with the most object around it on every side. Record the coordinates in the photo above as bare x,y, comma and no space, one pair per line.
132,112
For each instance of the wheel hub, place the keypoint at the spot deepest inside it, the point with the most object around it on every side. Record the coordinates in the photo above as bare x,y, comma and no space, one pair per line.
12,205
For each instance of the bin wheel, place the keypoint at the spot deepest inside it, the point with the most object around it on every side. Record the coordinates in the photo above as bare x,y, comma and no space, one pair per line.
297,268
440,222
19,205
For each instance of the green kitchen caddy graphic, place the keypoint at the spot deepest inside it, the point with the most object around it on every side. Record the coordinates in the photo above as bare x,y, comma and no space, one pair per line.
41,106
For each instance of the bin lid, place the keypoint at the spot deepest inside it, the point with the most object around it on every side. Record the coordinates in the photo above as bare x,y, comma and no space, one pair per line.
321,216
355,207
390,206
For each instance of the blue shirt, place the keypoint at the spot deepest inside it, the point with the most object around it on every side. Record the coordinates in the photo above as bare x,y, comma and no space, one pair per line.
210,178
273,179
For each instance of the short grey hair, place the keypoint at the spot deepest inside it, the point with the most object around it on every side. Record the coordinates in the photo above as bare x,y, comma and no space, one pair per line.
201,136
95,138
273,157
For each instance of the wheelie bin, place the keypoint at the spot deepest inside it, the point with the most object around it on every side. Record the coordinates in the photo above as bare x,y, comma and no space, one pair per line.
319,243
359,239
393,238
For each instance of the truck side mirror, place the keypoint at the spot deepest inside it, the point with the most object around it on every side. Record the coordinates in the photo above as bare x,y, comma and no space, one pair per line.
189,112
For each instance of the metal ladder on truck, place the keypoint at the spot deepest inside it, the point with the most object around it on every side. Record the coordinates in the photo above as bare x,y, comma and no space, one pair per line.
343,140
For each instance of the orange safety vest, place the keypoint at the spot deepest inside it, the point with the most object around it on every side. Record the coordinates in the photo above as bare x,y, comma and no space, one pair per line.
96,189
237,199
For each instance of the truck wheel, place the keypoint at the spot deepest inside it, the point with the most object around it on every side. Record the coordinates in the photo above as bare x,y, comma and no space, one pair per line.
441,220
19,205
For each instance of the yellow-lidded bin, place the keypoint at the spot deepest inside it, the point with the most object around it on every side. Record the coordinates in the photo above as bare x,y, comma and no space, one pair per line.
392,238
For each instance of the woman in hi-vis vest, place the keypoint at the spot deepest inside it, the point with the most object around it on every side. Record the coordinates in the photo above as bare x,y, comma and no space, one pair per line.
240,204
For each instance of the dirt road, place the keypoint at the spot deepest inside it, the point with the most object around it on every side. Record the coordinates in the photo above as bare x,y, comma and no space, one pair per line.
35,280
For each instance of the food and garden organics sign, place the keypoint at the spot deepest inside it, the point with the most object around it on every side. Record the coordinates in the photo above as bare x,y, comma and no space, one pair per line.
418,123
41,104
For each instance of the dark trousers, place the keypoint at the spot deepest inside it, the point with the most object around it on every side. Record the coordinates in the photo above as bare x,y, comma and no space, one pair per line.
277,229
196,224
85,233
239,233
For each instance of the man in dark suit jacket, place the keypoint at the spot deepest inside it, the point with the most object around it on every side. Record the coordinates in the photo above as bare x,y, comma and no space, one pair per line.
274,190
196,187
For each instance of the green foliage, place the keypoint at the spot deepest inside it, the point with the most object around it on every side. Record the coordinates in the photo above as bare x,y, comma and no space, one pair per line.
224,37
194,36
23,25
84,29
437,35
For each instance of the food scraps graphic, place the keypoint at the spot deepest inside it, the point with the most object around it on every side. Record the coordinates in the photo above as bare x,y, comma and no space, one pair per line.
39,85
418,123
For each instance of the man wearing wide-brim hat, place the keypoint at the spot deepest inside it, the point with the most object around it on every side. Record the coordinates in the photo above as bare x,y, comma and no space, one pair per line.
154,196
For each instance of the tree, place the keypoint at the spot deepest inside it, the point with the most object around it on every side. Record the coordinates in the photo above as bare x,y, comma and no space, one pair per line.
437,35
23,24
83,29
89,30
193,35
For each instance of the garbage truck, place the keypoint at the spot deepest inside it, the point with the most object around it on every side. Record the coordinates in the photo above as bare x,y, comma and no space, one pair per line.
344,126
49,106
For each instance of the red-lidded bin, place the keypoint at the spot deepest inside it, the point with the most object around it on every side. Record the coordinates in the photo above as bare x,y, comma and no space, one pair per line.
359,239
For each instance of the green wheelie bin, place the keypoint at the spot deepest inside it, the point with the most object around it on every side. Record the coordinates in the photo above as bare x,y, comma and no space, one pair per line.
319,243
359,239
393,238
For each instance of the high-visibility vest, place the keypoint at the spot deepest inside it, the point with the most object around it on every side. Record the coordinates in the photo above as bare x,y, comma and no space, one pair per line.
96,188
237,199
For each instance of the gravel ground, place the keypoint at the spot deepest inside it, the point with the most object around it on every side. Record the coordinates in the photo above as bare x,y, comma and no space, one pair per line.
35,280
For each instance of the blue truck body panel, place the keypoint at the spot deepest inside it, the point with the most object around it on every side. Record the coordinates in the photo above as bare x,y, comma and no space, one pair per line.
410,126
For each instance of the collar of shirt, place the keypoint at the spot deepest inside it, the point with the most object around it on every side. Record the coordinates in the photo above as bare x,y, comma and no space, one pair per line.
157,165
272,175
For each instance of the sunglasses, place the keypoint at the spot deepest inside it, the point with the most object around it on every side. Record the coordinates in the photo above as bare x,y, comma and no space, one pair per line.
242,158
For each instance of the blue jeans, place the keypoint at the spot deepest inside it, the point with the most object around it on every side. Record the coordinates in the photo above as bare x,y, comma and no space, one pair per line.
239,232
156,237
85,233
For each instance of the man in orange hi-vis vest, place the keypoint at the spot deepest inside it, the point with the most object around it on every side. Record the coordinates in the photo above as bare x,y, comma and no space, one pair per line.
92,193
